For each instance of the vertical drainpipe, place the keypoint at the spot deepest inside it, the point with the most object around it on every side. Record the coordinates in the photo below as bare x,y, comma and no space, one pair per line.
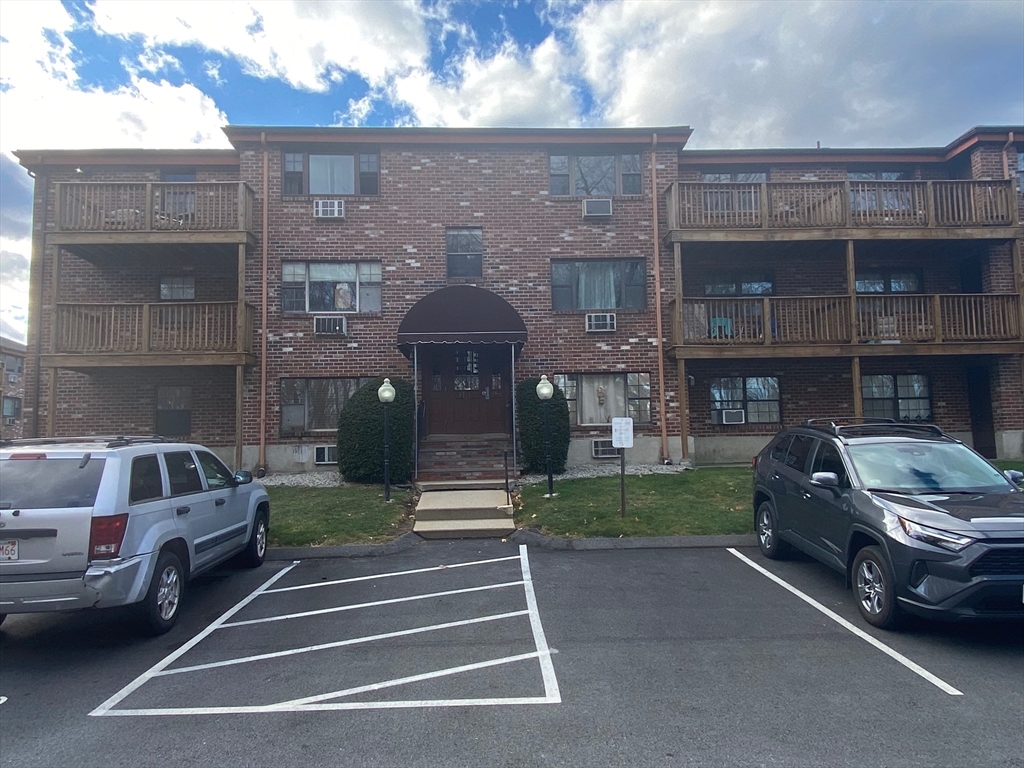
39,255
657,302
263,307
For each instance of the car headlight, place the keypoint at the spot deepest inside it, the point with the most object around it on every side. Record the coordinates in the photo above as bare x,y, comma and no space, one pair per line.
954,542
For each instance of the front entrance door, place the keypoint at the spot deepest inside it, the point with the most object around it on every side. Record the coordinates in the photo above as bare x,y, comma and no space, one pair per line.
979,396
467,388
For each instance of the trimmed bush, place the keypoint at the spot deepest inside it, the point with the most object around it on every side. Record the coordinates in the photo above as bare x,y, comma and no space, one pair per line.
361,434
530,419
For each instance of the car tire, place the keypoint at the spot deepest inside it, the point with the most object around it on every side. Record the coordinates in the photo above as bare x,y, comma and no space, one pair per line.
874,589
256,549
766,525
162,604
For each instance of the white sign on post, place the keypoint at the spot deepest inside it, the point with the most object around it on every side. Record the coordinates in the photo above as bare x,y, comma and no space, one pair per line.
622,433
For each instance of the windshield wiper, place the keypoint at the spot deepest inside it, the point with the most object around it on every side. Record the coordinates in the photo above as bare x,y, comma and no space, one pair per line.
901,492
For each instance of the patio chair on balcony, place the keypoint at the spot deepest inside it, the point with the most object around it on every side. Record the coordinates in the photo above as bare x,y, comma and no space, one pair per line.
122,218
721,327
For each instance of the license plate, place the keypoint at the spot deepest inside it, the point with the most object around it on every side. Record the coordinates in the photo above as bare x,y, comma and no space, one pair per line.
8,549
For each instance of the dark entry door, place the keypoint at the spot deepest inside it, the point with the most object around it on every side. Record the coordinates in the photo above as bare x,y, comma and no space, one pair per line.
979,395
467,389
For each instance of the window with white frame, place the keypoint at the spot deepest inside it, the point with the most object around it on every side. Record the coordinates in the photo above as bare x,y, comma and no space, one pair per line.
757,396
904,397
312,405
177,288
12,407
594,175
330,286
598,284
597,398
13,363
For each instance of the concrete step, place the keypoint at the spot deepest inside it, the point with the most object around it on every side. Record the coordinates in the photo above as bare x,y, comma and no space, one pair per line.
464,529
476,484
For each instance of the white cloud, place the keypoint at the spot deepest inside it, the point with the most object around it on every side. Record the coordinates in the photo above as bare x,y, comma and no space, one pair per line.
14,266
306,44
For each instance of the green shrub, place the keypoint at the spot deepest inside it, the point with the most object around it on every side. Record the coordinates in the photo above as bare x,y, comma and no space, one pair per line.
530,418
361,434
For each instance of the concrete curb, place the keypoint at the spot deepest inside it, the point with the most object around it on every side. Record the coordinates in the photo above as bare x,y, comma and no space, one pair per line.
530,538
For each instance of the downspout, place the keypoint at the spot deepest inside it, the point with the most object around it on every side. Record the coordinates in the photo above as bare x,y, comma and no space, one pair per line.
665,459
263,310
39,254
1006,162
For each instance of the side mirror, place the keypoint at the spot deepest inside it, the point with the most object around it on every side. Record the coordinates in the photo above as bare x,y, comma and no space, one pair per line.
825,479
1014,476
242,477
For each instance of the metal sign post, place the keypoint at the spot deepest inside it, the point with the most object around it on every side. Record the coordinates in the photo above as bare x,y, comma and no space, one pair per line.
622,438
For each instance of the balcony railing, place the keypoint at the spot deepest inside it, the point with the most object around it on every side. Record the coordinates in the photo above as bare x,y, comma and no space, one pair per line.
154,207
888,319
119,329
827,204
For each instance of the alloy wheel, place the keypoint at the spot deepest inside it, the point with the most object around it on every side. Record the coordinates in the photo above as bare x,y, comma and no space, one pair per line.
168,593
764,529
870,587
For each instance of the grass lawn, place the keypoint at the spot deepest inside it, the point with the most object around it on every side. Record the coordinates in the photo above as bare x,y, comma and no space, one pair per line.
322,516
704,501
1009,464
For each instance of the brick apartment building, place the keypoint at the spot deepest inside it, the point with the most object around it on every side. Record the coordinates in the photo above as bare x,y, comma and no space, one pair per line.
12,387
239,297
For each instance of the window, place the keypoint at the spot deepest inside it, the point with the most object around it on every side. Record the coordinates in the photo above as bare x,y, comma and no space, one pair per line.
179,201
870,197
309,405
183,473
217,475
732,198
739,284
758,396
888,281
901,397
597,398
146,482
330,286
174,411
465,249
594,175
799,452
335,174
12,407
177,289
13,364
1020,173
827,459
596,284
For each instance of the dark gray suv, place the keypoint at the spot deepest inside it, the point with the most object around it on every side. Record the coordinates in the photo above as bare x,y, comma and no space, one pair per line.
917,521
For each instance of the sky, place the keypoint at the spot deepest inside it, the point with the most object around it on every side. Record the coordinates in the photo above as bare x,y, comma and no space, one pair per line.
155,74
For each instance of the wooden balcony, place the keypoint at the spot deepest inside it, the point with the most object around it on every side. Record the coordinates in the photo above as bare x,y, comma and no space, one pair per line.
947,209
793,326
92,217
165,333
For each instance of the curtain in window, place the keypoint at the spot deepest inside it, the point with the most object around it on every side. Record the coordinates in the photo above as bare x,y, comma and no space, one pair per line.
332,287
597,284
331,174
601,397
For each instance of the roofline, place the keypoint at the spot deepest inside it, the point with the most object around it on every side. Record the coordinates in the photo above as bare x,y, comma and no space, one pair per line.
673,135
10,345
976,135
37,158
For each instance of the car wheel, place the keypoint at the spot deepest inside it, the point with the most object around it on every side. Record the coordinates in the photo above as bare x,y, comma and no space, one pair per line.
256,549
768,533
163,599
874,588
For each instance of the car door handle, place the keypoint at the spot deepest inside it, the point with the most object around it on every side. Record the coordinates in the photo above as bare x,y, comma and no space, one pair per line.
805,494
183,510
220,502
773,476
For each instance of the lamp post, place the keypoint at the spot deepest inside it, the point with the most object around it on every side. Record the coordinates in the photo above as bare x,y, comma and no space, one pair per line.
386,395
545,389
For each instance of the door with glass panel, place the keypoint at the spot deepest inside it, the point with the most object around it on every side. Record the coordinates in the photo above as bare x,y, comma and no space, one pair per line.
467,389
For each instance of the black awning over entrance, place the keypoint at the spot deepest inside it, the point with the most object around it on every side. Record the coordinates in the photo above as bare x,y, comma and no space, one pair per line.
461,314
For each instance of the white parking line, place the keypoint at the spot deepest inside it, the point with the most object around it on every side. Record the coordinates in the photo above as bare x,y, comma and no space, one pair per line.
323,701
913,667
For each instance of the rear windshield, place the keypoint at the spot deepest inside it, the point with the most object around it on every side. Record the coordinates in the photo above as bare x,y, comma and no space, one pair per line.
49,483
926,467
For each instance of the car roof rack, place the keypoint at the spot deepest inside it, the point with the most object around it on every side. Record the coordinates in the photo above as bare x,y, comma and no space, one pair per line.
854,426
112,441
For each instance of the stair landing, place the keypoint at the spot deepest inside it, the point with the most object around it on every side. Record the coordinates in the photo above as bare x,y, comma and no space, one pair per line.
459,514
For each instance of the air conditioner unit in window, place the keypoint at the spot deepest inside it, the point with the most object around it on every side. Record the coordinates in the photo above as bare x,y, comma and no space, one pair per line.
325,454
12,378
603,449
597,208
600,321
329,325
10,421
729,416
328,209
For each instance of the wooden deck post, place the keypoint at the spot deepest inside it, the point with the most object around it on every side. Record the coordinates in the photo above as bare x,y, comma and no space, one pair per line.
851,287
51,404
240,330
764,204
847,205
858,395
929,203
937,318
146,342
239,381
147,216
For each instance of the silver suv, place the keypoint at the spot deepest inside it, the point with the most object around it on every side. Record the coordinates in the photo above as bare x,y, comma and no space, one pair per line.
96,522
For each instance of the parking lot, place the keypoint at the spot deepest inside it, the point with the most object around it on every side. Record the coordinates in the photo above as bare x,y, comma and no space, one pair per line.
488,653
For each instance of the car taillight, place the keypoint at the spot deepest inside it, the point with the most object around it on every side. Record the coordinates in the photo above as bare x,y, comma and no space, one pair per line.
753,463
106,536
